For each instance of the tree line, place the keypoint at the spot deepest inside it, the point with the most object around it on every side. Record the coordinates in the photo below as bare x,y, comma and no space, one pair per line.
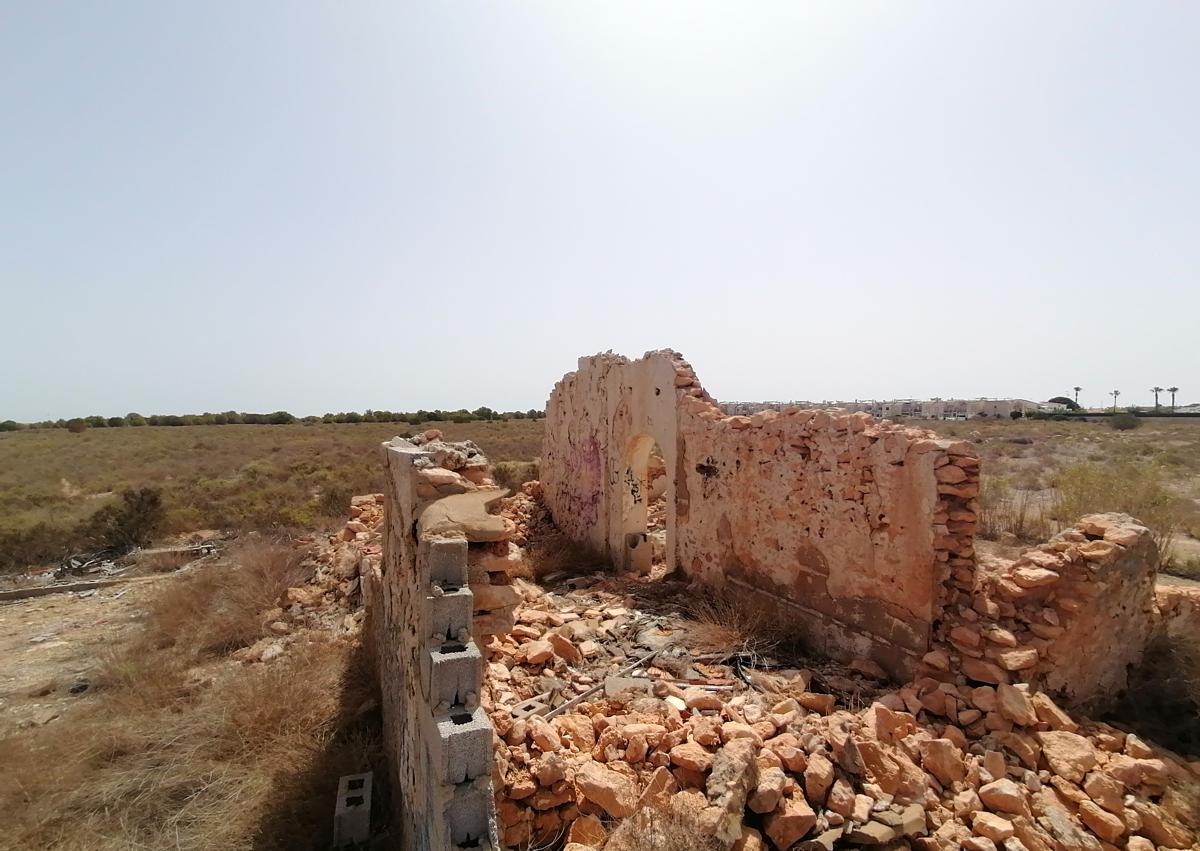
135,420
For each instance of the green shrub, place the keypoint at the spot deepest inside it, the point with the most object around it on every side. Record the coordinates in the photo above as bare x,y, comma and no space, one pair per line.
1137,489
132,522
334,501
1123,422
513,474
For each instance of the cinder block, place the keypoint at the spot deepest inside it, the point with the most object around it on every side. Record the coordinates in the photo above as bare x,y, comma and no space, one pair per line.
352,813
467,812
450,672
448,614
460,744
443,560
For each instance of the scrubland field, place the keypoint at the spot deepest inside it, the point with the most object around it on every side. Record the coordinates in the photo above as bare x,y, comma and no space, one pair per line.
1037,475
210,477
1040,475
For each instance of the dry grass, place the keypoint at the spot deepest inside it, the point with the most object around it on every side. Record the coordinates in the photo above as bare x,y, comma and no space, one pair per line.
211,477
175,748
556,553
717,625
651,830
219,609
158,763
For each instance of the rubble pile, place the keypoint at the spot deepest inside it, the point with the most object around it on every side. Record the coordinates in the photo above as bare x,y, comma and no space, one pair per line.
586,737
331,601
530,517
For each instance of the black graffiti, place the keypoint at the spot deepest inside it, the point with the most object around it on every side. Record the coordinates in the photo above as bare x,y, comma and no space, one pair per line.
634,485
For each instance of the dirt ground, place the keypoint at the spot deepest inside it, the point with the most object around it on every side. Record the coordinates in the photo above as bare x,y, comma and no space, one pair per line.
50,644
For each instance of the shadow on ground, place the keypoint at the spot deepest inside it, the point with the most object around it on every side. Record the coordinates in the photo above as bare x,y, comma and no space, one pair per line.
302,816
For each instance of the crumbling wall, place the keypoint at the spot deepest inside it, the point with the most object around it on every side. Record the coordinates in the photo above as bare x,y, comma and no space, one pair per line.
858,533
601,426
420,617
856,530
1179,607
1071,616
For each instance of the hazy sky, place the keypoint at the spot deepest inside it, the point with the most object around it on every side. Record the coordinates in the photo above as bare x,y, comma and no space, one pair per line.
349,205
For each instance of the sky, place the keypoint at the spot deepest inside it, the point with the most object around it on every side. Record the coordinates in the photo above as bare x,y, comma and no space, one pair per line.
329,206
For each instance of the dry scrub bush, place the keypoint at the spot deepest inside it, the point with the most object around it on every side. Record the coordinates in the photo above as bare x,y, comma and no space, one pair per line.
1003,509
513,474
651,830
717,625
1138,490
218,609
557,553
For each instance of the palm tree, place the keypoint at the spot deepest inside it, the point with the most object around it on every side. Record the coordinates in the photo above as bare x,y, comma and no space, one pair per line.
1115,394
1077,389
1172,391
1156,391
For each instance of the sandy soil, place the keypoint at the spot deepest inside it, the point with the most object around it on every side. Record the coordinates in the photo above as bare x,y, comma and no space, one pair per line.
49,644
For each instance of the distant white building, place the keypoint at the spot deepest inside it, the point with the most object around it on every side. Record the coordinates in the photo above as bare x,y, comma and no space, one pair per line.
917,409
949,409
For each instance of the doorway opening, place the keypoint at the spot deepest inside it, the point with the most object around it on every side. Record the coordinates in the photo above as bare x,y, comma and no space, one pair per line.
645,491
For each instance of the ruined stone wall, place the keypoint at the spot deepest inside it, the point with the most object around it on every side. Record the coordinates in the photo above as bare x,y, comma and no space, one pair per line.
836,516
419,609
1071,616
857,531
601,424
1179,606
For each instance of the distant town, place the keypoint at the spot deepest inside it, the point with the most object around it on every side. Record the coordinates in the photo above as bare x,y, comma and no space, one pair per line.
952,409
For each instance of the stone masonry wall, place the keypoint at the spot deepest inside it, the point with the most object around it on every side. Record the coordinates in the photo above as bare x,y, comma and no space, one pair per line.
419,609
857,531
1070,616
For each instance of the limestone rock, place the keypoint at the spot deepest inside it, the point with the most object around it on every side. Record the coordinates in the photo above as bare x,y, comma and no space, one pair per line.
790,821
1068,754
734,775
691,756
609,789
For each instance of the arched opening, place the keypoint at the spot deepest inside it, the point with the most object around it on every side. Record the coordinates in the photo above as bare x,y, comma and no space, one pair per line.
645,484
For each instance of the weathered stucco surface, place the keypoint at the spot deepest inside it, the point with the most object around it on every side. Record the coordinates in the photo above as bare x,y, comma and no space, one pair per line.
852,528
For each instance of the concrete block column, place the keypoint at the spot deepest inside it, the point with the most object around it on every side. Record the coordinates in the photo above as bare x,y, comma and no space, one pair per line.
431,671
